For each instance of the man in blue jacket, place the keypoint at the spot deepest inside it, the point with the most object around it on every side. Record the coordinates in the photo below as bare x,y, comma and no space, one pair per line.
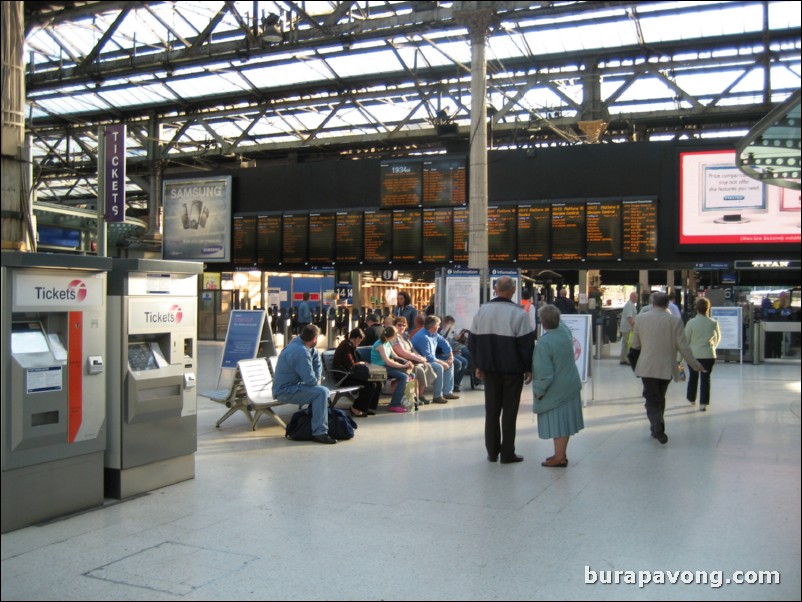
425,342
501,342
296,381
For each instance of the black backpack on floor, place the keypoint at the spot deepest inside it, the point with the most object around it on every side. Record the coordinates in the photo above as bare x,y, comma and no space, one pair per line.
299,427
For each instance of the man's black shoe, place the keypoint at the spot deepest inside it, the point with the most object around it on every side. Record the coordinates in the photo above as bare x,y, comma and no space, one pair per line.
324,439
492,458
511,460
661,437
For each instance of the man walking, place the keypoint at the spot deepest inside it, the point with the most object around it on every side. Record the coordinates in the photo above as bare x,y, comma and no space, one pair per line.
628,316
297,381
501,342
659,336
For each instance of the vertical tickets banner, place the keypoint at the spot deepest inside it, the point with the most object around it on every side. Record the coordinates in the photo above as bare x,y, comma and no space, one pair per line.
197,219
114,164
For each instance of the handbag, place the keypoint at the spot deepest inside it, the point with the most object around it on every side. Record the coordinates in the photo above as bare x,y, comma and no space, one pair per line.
633,356
371,373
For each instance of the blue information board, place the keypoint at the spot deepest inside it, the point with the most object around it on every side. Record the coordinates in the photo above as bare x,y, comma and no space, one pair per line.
243,336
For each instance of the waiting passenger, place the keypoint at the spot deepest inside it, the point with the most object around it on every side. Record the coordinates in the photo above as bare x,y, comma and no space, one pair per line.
404,307
417,326
297,379
424,373
344,360
373,330
425,343
397,368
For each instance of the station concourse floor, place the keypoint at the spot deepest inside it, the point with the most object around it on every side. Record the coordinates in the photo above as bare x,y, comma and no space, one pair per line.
410,509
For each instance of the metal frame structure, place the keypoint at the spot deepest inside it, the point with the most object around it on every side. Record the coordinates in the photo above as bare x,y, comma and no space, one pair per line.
198,86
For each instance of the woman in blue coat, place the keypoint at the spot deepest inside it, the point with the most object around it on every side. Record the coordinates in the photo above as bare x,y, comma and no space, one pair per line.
556,386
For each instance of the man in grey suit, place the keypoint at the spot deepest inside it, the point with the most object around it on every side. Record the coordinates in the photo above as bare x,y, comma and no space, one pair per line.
659,336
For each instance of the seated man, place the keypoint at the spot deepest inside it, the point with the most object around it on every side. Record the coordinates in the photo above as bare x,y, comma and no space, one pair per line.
373,331
298,372
425,343
462,356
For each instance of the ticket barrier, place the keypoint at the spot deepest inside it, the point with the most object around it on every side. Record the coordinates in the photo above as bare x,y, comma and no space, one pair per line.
53,385
152,399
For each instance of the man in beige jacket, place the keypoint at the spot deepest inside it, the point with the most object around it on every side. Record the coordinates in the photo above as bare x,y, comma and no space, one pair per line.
659,336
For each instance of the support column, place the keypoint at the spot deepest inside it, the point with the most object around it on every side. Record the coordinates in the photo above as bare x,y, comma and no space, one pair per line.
643,286
17,224
478,19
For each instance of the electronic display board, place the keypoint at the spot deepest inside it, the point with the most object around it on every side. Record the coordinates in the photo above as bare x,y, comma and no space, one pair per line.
640,230
444,182
460,223
295,238
534,232
378,236
349,237
567,232
407,235
243,240
438,235
501,233
322,228
603,230
268,239
400,184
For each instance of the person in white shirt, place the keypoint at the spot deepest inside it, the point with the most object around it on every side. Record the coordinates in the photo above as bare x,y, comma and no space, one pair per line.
628,316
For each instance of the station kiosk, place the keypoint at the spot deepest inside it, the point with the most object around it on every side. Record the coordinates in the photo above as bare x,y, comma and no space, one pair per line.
53,385
152,399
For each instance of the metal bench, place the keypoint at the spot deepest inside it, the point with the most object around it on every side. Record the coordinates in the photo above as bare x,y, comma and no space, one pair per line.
234,398
257,378
333,378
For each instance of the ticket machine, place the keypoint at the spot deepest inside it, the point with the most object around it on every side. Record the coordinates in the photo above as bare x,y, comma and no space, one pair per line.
152,399
53,385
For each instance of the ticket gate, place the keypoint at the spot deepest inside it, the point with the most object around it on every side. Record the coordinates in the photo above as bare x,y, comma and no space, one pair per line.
152,400
53,385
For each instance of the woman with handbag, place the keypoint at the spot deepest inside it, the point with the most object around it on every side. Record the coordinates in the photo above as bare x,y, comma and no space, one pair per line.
424,373
345,361
397,368
703,334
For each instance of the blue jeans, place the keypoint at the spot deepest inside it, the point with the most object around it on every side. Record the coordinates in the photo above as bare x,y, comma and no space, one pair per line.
444,383
317,397
401,379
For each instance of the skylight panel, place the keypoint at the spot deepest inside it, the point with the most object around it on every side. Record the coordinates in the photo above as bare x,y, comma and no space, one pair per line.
352,64
784,15
312,70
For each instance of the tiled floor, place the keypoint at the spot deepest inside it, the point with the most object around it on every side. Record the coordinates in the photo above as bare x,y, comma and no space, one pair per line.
411,510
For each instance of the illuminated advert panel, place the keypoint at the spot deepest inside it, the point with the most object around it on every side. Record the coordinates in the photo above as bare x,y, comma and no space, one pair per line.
721,205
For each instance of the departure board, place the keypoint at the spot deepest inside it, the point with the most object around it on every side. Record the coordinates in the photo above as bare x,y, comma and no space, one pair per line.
407,239
640,230
400,184
321,238
534,230
438,235
295,238
349,237
378,237
268,239
501,233
444,182
243,240
603,233
567,232
460,223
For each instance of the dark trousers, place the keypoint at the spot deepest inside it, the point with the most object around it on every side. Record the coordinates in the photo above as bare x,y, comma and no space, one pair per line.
502,398
654,392
368,398
704,386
